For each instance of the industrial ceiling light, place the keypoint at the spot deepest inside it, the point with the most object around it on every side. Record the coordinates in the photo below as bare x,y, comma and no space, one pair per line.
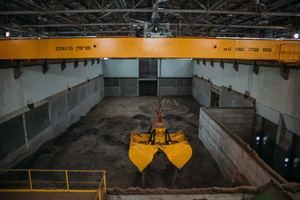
296,35
7,34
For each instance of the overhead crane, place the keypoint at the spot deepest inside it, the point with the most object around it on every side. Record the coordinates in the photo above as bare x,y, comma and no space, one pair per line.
271,50
144,146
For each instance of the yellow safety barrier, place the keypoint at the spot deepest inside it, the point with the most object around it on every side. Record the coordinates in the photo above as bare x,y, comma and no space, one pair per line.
102,183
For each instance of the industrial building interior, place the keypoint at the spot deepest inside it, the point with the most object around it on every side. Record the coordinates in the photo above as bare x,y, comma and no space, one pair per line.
149,99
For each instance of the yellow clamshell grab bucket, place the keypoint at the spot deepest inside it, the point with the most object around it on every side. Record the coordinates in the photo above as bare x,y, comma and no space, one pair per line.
144,146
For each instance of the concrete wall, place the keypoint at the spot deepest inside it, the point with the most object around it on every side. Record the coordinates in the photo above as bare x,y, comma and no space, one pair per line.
23,135
273,94
121,68
175,86
201,91
233,98
121,86
176,68
237,120
121,77
235,158
34,86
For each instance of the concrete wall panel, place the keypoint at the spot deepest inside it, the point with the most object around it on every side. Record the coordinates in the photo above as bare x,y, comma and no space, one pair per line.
168,91
59,126
81,93
185,82
97,84
72,116
129,90
11,136
57,107
37,120
72,99
184,90
38,140
203,91
128,82
111,82
83,108
231,99
90,88
112,91
168,82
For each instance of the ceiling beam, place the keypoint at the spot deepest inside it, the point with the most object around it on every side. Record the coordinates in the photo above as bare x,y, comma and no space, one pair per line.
105,10
22,30
124,31
163,24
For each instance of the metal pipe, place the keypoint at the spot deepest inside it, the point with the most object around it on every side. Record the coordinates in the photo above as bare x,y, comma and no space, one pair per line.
232,12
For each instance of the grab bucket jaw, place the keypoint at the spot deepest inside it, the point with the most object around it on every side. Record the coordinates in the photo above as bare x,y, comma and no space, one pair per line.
178,150
140,153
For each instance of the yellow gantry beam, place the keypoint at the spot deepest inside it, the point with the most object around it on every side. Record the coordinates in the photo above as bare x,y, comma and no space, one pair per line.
192,47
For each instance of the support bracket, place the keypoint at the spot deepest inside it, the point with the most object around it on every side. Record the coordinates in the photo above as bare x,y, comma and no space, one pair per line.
45,67
93,61
204,62
222,64
255,69
18,70
85,62
235,66
284,72
63,65
212,62
98,61
76,63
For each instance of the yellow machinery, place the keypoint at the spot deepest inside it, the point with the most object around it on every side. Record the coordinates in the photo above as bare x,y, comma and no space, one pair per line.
144,146
275,50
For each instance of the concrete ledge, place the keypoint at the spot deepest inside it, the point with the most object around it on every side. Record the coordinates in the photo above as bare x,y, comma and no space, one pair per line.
234,151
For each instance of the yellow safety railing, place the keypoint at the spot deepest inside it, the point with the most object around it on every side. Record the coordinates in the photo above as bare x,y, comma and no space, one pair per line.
102,183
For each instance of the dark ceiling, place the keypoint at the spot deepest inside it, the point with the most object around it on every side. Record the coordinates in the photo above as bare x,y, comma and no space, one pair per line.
230,18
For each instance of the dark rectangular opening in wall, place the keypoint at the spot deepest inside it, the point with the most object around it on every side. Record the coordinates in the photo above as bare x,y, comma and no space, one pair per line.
148,88
148,68
268,141
294,164
214,100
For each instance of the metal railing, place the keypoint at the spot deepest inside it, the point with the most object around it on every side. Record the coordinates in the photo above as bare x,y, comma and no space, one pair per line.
67,182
